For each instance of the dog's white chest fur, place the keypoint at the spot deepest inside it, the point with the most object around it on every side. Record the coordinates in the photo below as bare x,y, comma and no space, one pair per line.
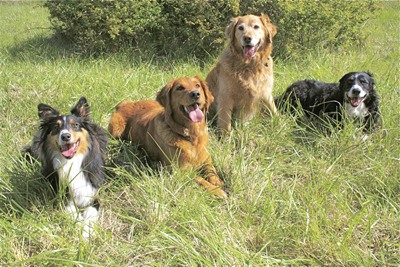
354,112
70,173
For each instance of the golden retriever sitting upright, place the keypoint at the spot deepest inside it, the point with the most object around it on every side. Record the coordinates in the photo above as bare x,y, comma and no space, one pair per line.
172,128
243,75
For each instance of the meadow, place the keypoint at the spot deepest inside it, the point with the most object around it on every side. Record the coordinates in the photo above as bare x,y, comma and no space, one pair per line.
297,197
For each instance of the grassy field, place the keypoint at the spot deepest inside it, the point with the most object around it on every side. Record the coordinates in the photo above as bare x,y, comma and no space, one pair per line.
297,197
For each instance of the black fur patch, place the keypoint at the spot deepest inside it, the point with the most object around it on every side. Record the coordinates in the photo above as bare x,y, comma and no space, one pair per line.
319,98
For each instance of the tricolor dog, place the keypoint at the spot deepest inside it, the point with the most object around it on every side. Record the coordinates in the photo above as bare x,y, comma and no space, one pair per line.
70,148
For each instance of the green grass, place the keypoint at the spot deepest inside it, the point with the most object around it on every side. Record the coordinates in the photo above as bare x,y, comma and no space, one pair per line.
297,197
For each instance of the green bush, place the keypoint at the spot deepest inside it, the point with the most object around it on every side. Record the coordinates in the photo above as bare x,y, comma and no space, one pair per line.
197,26
306,25
97,26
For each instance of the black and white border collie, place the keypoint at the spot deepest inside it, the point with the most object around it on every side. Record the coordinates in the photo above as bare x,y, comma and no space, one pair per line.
354,94
70,149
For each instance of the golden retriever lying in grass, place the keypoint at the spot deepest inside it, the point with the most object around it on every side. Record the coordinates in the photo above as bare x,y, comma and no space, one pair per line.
243,75
172,128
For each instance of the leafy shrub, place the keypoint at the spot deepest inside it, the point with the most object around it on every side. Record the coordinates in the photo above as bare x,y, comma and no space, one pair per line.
306,25
197,26
97,26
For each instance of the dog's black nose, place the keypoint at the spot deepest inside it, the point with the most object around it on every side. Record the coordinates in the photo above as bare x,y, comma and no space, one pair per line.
195,95
356,91
247,39
66,137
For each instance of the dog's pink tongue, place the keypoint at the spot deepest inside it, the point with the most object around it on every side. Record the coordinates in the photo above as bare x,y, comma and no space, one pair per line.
68,150
249,51
355,102
195,114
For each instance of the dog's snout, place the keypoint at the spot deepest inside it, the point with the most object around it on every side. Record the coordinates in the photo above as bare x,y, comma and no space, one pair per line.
65,137
195,95
247,39
356,91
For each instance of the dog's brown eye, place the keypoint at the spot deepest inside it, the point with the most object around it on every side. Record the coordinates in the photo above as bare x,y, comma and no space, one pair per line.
240,28
180,88
256,27
197,85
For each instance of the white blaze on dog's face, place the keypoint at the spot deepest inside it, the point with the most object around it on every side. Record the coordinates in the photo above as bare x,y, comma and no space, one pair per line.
357,87
250,34
68,136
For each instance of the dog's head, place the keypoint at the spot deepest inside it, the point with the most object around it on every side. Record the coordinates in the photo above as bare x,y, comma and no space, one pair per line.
186,99
66,134
250,34
356,87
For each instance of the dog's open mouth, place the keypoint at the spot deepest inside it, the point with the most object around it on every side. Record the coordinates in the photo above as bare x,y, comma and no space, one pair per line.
355,101
194,112
69,150
249,51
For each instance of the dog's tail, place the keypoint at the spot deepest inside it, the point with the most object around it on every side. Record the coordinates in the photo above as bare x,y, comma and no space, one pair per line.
117,124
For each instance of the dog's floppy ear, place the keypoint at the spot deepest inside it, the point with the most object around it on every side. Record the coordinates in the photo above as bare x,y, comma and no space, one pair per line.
45,111
369,74
81,108
230,29
164,98
343,79
163,95
271,28
371,78
207,92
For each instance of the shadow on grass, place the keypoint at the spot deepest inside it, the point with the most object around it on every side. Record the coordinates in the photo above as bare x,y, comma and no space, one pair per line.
309,127
125,158
309,130
55,47
126,161
42,48
24,187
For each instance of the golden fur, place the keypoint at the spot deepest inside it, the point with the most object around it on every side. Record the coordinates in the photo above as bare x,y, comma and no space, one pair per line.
243,75
167,132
